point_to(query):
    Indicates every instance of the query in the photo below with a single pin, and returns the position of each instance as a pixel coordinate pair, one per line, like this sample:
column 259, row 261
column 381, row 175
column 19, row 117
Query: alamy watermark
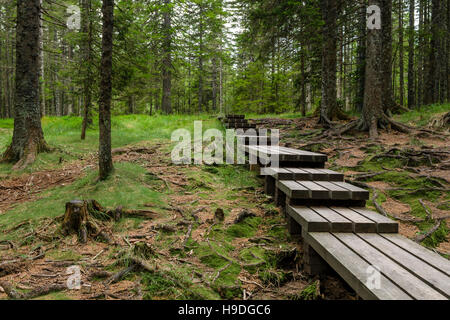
column 211, row 147
column 74, row 20
column 374, row 18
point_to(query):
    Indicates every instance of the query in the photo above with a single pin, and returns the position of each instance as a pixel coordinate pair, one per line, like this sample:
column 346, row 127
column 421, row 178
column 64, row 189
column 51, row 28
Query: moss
column 246, row 228
column 274, row 277
column 309, row 293
column 437, row 237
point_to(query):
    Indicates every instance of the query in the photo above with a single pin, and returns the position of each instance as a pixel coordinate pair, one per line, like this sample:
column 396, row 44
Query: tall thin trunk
column 41, row 62
column 105, row 156
column 386, row 62
column 400, row 52
column 329, row 51
column 167, row 59
column 86, row 29
column 411, row 72
column 361, row 57
column 200, row 61
column 432, row 82
column 214, row 84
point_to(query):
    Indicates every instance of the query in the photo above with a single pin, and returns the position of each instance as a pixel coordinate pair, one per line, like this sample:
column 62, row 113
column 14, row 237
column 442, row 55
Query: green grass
column 64, row 133
column 423, row 115
column 128, row 186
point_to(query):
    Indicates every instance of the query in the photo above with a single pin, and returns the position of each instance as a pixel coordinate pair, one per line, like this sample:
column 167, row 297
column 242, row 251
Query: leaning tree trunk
column 28, row 137
column 105, row 156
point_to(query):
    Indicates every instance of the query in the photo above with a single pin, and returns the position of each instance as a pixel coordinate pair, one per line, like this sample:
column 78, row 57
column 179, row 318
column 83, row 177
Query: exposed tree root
column 36, row 292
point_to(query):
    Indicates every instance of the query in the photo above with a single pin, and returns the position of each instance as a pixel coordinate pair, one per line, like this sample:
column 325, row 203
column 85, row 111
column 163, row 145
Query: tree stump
column 80, row 218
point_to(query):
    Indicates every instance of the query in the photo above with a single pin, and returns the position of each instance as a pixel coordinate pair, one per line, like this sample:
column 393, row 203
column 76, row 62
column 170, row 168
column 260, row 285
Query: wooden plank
column 360, row 223
column 269, row 171
column 292, row 189
column 299, row 174
column 337, row 222
column 433, row 277
column 357, row 193
column 336, row 192
column 384, row 224
column 308, row 219
column 411, row 284
column 333, row 175
column 315, row 191
column 420, row 252
column 316, row 175
column 352, row 268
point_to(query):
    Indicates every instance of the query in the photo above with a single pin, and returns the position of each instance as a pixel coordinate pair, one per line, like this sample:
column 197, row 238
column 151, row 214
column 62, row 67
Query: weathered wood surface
column 326, row 219
column 307, row 174
column 403, row 276
column 240, row 126
column 393, row 267
column 352, row 268
column 285, row 154
column 315, row 190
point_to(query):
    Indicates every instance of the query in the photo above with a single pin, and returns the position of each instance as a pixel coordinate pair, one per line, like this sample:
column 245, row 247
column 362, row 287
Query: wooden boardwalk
column 338, row 232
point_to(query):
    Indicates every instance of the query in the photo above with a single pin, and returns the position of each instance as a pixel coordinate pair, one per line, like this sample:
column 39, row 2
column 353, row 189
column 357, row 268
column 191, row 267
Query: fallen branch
column 36, row 292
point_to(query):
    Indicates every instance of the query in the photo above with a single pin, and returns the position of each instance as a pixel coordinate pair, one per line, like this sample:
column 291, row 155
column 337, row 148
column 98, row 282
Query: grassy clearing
column 423, row 115
column 126, row 187
column 64, row 133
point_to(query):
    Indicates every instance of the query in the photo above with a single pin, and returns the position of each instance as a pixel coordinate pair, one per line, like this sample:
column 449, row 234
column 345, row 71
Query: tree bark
column 86, row 29
column 373, row 103
column 432, row 83
column 411, row 72
column 105, row 157
column 167, row 59
column 401, row 52
column 28, row 137
column 329, row 69
column 386, row 62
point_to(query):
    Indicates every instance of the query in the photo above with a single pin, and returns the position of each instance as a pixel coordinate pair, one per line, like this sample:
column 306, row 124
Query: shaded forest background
column 264, row 56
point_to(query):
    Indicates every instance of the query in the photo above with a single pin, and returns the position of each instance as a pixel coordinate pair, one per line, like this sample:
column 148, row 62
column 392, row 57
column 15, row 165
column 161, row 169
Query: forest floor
column 191, row 253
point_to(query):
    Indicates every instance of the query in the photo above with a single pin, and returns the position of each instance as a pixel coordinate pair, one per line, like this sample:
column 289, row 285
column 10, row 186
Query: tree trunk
column 28, row 137
column 411, row 73
column 167, row 59
column 329, row 50
column 86, row 29
column 105, row 157
column 200, row 61
column 401, row 51
column 373, row 104
column 432, row 82
column 361, row 58
column 41, row 63
column 386, row 62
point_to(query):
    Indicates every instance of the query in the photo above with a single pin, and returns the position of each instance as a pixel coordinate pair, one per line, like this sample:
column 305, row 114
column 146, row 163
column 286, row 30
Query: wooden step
column 321, row 190
column 271, row 175
column 336, row 219
column 292, row 157
column 403, row 276
column 235, row 116
column 308, row 174
column 240, row 126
